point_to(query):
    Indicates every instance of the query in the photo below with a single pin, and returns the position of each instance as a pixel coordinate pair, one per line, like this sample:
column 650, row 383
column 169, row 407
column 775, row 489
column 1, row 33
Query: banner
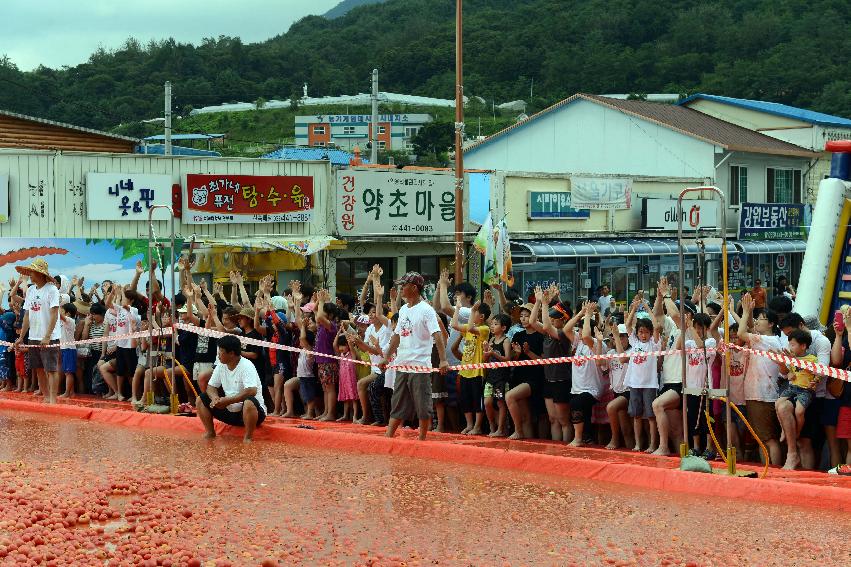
column 381, row 202
column 503, row 254
column 601, row 193
column 485, row 245
column 226, row 198
column 127, row 196
column 661, row 214
column 770, row 221
column 554, row 205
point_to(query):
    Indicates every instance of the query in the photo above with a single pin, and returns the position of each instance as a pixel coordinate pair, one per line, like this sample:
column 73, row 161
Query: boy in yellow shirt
column 799, row 392
column 476, row 334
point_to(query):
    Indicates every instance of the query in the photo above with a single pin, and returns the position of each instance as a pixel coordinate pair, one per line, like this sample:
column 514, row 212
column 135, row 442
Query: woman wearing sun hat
column 41, row 305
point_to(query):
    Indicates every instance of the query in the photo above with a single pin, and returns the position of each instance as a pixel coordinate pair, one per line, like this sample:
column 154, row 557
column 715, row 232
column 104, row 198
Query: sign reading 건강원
column 127, row 196
column 370, row 202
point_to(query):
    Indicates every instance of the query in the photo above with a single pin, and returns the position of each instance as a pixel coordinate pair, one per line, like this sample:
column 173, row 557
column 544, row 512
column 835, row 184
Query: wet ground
column 79, row 493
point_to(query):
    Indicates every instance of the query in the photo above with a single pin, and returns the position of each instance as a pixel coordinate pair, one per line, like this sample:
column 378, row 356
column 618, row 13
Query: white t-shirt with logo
column 672, row 364
column 641, row 371
column 762, row 372
column 233, row 382
column 39, row 301
column 738, row 366
column 697, row 364
column 586, row 374
column 617, row 373
column 383, row 335
column 68, row 327
column 415, row 328
column 120, row 320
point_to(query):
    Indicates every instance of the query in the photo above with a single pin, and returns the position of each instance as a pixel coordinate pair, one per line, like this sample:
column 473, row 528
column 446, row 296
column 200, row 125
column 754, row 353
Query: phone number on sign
column 413, row 228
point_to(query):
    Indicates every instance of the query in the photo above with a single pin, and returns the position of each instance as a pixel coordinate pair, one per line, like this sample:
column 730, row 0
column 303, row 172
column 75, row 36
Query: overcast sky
column 65, row 32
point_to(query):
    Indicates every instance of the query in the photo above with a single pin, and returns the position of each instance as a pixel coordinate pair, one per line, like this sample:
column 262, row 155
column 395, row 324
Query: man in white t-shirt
column 417, row 330
column 605, row 300
column 41, row 314
column 242, row 405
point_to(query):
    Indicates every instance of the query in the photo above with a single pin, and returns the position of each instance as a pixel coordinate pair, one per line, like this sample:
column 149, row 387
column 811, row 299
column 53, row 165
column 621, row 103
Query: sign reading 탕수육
column 370, row 202
column 226, row 198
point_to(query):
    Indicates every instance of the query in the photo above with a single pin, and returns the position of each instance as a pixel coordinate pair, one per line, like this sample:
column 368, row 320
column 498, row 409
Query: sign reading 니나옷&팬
column 226, row 198
column 769, row 221
column 601, row 193
column 394, row 203
column 553, row 205
column 661, row 214
column 126, row 196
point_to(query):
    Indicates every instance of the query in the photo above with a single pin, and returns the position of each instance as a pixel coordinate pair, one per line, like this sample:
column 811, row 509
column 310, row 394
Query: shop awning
column 302, row 246
column 605, row 247
column 770, row 246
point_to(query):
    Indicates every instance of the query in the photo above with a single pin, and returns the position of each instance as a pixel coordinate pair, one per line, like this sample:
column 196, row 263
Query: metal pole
column 680, row 296
column 459, row 141
column 152, row 244
column 167, row 118
column 373, row 131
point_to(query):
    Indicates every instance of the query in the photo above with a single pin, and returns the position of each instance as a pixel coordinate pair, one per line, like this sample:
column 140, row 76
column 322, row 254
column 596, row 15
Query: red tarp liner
column 511, row 455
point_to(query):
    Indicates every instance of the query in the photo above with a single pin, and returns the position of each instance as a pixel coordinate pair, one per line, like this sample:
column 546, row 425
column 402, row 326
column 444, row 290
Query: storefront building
column 589, row 190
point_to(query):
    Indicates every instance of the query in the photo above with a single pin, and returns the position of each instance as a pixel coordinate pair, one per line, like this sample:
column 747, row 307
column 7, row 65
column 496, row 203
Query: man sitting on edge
column 242, row 405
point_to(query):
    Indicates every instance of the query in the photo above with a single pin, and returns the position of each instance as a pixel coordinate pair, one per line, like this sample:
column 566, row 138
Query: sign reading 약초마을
column 226, row 198
column 394, row 202
column 126, row 196
column 601, row 193
column 769, row 221
column 553, row 205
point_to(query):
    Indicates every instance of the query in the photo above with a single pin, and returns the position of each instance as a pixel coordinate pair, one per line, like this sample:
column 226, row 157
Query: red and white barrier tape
column 814, row 367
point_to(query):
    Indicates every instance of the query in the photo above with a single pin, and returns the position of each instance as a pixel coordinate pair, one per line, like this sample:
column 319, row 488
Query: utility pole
column 459, row 142
column 168, row 118
column 373, row 137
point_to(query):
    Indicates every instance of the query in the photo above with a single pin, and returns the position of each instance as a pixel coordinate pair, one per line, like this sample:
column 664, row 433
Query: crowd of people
column 384, row 359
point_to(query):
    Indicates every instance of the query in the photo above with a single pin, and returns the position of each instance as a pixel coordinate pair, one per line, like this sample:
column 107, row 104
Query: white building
column 635, row 157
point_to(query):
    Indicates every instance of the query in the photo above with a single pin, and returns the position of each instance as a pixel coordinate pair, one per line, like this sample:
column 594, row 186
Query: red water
column 79, row 493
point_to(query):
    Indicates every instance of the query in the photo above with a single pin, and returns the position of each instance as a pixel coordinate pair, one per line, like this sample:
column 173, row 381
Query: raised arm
column 134, row 283
column 503, row 302
column 443, row 286
column 534, row 316
column 747, row 315
column 378, row 294
column 588, row 309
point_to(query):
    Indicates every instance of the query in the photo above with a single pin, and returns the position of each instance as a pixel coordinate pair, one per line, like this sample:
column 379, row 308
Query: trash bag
column 691, row 463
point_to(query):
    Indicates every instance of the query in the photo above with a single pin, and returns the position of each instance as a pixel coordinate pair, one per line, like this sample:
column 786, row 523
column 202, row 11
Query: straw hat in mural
column 38, row 266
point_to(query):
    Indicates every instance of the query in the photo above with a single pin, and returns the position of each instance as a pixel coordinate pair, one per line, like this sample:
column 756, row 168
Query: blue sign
column 772, row 221
column 553, row 205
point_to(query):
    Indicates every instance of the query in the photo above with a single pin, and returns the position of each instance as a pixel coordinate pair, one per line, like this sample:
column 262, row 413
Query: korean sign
column 394, row 203
column 226, row 198
column 763, row 221
column 126, row 196
column 661, row 214
column 553, row 205
column 4, row 198
column 601, row 193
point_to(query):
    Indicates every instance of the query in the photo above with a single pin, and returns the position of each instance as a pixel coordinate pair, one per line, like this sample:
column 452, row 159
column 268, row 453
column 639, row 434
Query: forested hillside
column 794, row 51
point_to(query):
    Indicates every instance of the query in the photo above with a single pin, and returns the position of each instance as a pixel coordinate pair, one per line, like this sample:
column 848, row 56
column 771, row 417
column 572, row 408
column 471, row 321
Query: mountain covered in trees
column 795, row 52
column 347, row 6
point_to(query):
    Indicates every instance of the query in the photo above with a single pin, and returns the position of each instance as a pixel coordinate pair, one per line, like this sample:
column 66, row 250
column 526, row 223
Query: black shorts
column 557, row 391
column 622, row 395
column 125, row 361
column 581, row 406
column 472, row 390
column 676, row 387
column 232, row 417
column 813, row 429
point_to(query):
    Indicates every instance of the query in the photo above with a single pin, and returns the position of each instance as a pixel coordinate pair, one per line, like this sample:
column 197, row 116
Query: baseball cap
column 412, row 278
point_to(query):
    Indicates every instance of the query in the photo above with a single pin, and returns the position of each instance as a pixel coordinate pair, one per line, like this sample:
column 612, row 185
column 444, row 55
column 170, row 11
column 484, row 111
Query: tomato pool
column 80, row 493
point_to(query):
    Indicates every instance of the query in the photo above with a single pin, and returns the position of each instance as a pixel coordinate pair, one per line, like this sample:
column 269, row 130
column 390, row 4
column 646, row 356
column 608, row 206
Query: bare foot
column 577, row 442
column 475, row 431
column 466, row 430
column 121, row 399
column 661, row 452
column 65, row 395
column 637, row 448
column 650, row 450
column 328, row 418
column 209, row 435
column 793, row 461
column 440, row 429
column 37, row 393
column 497, row 433
column 516, row 436
column 361, row 421
column 288, row 414
column 247, row 440
column 613, row 445
column 377, row 424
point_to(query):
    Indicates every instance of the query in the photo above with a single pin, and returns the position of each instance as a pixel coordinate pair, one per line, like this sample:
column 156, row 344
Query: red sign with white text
column 225, row 198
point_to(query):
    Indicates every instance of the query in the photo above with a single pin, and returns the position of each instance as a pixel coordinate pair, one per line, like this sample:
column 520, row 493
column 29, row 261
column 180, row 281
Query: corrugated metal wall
column 47, row 194
column 20, row 133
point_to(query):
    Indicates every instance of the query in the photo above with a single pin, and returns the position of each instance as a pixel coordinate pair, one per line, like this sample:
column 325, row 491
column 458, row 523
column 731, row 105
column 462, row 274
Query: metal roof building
column 775, row 108
column 20, row 131
column 337, row 158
